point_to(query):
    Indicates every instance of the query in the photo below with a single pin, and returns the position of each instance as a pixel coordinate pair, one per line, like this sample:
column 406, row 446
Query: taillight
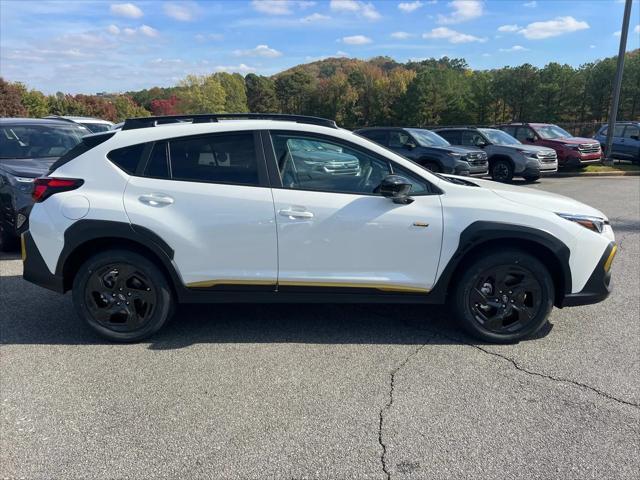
column 44, row 187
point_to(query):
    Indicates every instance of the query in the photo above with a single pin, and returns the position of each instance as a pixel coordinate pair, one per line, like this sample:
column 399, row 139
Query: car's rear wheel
column 504, row 296
column 122, row 295
column 532, row 178
column 501, row 171
column 8, row 240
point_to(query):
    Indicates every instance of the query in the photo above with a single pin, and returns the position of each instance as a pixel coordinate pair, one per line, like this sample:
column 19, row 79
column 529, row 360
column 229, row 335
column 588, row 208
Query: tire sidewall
column 469, row 278
column 509, row 169
column 163, row 307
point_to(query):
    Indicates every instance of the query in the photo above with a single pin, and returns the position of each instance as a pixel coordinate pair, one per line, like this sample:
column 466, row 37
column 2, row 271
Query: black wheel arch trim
column 486, row 231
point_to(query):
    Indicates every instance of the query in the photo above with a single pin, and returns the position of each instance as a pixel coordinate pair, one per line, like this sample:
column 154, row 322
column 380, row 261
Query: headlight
column 595, row 224
column 455, row 155
column 572, row 146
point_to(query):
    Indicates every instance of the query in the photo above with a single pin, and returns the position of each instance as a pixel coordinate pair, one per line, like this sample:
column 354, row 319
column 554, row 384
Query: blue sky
column 81, row 46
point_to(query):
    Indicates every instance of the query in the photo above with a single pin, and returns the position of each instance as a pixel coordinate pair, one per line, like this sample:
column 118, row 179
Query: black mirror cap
column 397, row 188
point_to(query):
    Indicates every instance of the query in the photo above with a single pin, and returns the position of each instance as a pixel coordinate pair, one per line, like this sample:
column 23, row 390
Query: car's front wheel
column 122, row 295
column 501, row 171
column 503, row 296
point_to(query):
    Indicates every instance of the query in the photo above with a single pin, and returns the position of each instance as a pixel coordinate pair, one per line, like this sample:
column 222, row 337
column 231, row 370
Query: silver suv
column 507, row 156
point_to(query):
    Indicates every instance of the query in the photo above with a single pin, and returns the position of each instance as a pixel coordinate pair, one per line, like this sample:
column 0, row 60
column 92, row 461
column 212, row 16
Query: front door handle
column 294, row 213
column 156, row 199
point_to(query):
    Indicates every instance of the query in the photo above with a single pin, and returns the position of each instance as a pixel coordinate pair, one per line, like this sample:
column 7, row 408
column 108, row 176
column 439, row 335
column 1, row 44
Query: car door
column 619, row 147
column 630, row 141
column 207, row 196
column 336, row 232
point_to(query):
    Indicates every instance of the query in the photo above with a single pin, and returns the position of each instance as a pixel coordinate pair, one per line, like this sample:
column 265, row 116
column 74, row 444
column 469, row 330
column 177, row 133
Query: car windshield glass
column 498, row 137
column 552, row 132
column 97, row 127
column 38, row 141
column 429, row 139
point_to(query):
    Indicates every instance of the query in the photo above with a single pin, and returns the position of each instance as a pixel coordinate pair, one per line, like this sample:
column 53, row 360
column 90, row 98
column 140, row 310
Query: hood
column 530, row 148
column 323, row 156
column 534, row 198
column 453, row 149
column 27, row 167
column 571, row 140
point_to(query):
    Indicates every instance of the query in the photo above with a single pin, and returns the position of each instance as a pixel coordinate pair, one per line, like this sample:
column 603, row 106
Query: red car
column 572, row 151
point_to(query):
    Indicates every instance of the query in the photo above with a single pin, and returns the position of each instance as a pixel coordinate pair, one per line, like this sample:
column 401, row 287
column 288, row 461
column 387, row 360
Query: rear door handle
column 156, row 199
column 294, row 213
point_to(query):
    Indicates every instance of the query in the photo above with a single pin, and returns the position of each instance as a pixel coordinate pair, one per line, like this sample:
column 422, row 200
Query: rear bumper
column 598, row 287
column 35, row 270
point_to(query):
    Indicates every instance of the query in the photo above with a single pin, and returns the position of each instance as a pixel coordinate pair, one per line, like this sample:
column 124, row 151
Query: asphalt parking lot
column 331, row 391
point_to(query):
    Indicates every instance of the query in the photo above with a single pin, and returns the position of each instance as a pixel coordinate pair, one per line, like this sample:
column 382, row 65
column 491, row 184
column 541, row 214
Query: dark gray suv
column 429, row 150
column 28, row 147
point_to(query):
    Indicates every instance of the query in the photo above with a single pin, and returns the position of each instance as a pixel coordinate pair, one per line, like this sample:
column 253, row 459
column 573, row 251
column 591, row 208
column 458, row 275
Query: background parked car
column 626, row 140
column 95, row 125
column 28, row 147
column 507, row 156
column 572, row 151
column 429, row 150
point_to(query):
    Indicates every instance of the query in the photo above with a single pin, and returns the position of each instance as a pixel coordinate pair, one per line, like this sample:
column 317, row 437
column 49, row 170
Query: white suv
column 270, row 208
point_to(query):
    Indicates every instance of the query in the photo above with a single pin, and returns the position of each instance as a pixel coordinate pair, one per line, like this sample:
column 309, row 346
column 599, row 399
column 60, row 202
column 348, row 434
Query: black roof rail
column 144, row 122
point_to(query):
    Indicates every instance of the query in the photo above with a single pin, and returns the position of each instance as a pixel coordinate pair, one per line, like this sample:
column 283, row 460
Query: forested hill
column 373, row 92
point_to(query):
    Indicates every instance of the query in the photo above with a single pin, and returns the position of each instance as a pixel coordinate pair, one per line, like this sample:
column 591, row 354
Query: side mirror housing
column 396, row 188
column 531, row 139
column 410, row 145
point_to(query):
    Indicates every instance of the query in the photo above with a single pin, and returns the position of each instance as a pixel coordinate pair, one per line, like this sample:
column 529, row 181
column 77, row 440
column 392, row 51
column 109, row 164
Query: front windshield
column 427, row 138
column 498, row 137
column 552, row 132
column 97, row 127
column 38, row 141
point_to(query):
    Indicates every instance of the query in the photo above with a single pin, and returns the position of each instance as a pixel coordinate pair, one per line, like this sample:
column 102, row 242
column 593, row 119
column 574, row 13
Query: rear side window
column 510, row 130
column 378, row 136
column 227, row 158
column 452, row 136
column 158, row 164
column 127, row 158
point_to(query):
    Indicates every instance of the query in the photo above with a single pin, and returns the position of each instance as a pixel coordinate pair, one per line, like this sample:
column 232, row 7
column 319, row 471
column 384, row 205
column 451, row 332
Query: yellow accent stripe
column 607, row 264
column 377, row 286
column 23, row 248
column 213, row 283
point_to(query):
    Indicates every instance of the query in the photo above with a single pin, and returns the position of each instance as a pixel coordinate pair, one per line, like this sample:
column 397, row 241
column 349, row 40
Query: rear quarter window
column 127, row 158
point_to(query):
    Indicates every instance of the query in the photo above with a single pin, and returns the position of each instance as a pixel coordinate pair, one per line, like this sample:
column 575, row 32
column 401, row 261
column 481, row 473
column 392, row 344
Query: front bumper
column 598, row 287
column 34, row 268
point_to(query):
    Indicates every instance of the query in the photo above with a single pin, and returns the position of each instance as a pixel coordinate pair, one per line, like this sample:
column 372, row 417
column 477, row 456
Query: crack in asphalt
column 388, row 405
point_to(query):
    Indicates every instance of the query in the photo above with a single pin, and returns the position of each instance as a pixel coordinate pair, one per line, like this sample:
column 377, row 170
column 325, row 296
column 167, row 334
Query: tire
column 503, row 296
column 122, row 295
column 532, row 179
column 8, row 241
column 433, row 167
column 501, row 171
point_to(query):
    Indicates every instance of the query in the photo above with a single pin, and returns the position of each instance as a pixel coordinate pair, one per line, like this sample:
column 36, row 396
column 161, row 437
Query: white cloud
column 366, row 10
column 508, row 28
column 356, row 40
column 486, row 54
column 180, row 12
column 259, row 51
column 515, row 48
column 463, row 10
column 242, row 68
column 113, row 30
column 148, row 31
column 617, row 34
column 409, row 7
column 129, row 31
column 128, row 10
column 201, row 37
column 401, row 35
column 340, row 53
column 592, row 46
column 451, row 36
column 552, row 28
column 637, row 29
column 532, row 4
column 315, row 17
column 279, row 7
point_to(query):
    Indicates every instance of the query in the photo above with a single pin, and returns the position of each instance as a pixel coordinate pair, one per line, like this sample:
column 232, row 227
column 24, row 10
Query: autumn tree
column 202, row 94
column 11, row 100
column 261, row 94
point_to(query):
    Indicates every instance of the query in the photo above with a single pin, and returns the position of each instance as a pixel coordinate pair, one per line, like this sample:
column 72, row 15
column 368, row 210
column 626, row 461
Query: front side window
column 38, row 141
column 631, row 131
column 618, row 130
column 523, row 134
column 511, row 130
column 472, row 138
column 226, row 158
column 330, row 166
column 427, row 138
column 552, row 132
column 498, row 137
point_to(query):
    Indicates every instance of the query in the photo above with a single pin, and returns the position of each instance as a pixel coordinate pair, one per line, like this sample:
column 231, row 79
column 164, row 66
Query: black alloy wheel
column 505, row 299
column 501, row 171
column 120, row 297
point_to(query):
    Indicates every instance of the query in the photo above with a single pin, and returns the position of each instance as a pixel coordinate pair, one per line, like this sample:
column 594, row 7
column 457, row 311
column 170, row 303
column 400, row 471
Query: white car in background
column 221, row 208
column 95, row 125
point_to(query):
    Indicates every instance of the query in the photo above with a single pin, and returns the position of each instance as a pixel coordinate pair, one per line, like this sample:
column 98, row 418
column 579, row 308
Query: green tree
column 261, row 94
column 235, row 92
column 293, row 90
column 202, row 94
column 127, row 108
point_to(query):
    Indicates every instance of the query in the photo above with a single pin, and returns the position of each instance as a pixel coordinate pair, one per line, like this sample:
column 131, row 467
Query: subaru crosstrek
column 221, row 209
column 508, row 157
column 430, row 150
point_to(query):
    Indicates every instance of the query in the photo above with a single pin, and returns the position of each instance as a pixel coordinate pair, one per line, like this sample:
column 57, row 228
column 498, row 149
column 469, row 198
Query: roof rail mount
column 144, row 122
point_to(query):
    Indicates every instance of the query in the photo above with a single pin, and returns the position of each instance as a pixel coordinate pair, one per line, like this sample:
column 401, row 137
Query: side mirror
column 410, row 145
column 396, row 188
column 531, row 139
column 481, row 143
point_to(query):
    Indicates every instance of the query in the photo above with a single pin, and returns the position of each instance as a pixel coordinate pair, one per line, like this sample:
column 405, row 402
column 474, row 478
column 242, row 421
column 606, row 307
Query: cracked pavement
column 328, row 391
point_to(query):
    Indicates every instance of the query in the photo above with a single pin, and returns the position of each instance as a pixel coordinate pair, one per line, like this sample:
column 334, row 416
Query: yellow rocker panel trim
column 378, row 286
